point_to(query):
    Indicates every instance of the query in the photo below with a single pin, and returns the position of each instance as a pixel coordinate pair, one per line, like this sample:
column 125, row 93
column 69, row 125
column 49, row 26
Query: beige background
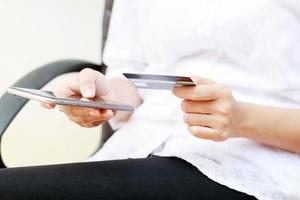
column 35, row 32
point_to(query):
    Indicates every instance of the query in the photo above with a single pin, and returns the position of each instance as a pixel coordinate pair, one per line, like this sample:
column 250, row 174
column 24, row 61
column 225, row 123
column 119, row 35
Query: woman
column 235, row 135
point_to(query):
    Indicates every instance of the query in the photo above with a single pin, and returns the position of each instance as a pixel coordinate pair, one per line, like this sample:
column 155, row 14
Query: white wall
column 34, row 32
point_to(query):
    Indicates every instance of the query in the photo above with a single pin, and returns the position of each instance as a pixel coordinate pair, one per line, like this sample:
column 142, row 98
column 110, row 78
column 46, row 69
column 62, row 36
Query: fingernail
column 108, row 114
column 195, row 128
column 49, row 106
column 87, row 92
column 94, row 113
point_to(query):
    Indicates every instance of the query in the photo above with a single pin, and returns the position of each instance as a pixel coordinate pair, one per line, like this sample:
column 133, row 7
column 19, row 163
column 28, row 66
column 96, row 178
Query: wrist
column 242, row 120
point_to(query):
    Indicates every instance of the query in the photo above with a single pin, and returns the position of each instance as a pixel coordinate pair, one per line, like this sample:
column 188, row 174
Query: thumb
column 87, row 82
column 198, row 80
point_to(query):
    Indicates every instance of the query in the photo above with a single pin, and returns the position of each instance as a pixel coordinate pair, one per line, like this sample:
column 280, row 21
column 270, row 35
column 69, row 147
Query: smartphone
column 49, row 97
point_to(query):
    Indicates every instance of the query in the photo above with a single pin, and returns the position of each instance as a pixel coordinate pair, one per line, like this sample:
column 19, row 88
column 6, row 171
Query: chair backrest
column 108, row 4
column 106, row 19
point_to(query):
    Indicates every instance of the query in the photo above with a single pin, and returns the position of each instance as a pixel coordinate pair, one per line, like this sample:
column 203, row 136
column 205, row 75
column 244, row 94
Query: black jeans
column 149, row 178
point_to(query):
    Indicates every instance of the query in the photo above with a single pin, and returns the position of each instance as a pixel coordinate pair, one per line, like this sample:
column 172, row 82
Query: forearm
column 126, row 93
column 278, row 127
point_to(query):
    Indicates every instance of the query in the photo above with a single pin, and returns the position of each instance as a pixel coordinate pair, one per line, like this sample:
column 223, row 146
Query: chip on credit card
column 158, row 82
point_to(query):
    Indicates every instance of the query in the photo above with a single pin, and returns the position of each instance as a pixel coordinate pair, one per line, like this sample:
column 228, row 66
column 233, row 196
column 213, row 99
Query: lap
column 149, row 178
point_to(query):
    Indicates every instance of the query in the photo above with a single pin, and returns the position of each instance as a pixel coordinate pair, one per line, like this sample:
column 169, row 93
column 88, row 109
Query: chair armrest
column 36, row 79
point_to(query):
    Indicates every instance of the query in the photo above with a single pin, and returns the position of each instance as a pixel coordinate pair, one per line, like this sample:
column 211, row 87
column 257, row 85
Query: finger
column 201, row 107
column 87, row 124
column 201, row 80
column 107, row 114
column 76, row 119
column 91, row 114
column 102, row 88
column 92, row 124
column 74, row 111
column 206, row 133
column 87, row 80
column 92, row 83
column 62, row 91
column 97, row 114
column 81, row 120
column 198, row 119
column 214, row 121
column 67, row 88
column 47, row 105
column 86, row 114
column 207, row 107
column 199, row 92
column 98, row 123
column 73, row 83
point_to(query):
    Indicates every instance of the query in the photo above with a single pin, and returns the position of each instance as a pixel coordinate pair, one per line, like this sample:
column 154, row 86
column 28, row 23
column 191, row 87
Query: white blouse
column 252, row 46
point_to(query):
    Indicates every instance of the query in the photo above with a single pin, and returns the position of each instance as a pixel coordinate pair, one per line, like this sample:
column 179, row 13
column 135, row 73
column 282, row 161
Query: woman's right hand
column 88, row 84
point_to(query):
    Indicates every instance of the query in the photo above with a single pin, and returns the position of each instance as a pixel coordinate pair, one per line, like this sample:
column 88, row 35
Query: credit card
column 158, row 82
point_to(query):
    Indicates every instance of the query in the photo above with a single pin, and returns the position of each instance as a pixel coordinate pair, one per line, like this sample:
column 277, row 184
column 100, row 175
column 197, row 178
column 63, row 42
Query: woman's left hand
column 209, row 109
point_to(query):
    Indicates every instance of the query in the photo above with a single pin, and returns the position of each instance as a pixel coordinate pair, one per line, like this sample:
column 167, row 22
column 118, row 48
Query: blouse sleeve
column 123, row 51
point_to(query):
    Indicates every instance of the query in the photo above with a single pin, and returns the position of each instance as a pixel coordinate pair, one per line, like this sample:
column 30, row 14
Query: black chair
column 10, row 105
